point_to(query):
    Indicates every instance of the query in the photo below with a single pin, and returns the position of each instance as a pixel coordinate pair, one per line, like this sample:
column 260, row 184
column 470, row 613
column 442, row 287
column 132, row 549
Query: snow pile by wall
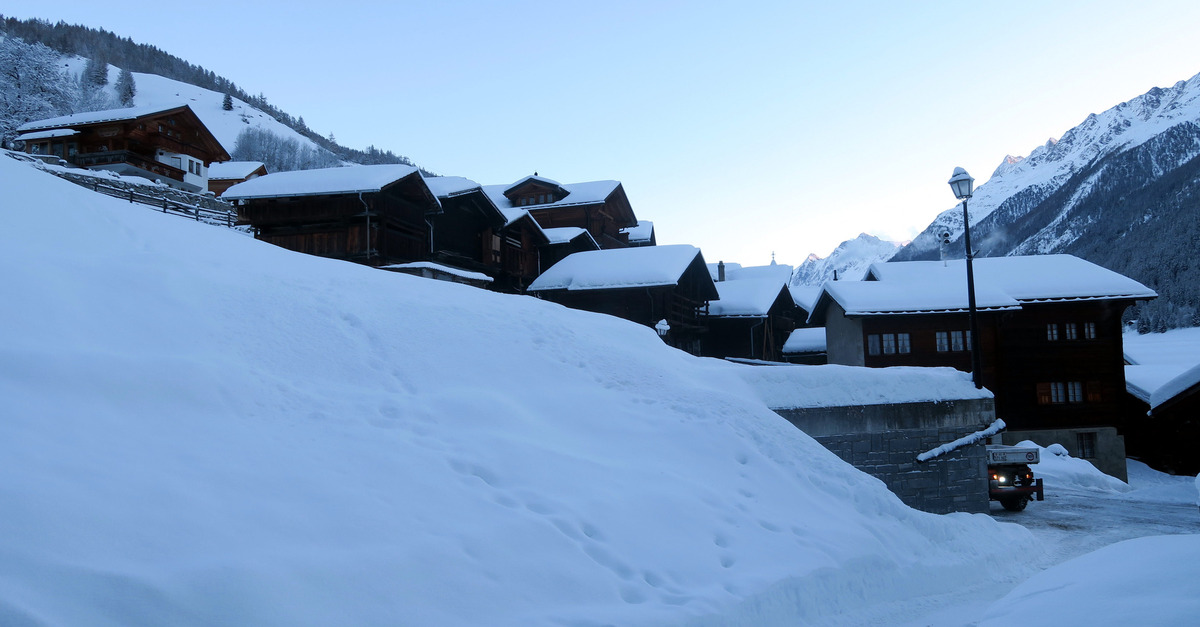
column 1060, row 470
column 199, row 428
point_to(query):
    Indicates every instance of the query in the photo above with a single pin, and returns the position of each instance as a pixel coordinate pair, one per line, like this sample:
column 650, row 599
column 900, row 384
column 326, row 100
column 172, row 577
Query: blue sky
column 743, row 128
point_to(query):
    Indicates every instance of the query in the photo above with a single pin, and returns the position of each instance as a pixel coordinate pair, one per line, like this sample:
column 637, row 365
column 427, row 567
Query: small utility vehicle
column 1010, row 480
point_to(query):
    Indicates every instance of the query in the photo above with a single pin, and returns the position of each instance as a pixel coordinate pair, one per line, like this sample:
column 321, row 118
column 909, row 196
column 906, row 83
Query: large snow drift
column 199, row 428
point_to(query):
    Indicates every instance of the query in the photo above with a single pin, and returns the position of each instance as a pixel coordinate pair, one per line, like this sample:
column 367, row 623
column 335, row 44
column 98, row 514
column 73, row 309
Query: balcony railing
column 128, row 157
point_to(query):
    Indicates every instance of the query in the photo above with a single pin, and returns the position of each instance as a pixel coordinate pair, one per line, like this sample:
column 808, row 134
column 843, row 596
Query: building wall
column 844, row 338
column 1109, row 452
column 884, row 441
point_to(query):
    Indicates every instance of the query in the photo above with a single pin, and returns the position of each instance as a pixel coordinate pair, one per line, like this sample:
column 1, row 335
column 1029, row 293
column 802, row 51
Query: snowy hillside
column 154, row 90
column 1019, row 184
column 850, row 260
column 200, row 429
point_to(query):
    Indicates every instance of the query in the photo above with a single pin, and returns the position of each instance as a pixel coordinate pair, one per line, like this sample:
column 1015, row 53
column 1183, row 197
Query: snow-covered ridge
column 1047, row 167
column 849, row 261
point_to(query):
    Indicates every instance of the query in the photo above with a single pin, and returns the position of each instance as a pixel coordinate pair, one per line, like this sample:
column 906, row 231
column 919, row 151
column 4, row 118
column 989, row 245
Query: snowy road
column 1073, row 520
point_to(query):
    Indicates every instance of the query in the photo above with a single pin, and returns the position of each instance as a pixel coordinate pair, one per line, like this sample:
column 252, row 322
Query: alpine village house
column 168, row 144
column 1050, row 339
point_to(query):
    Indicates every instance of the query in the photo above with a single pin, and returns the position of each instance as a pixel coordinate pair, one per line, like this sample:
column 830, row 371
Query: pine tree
column 227, row 103
column 96, row 72
column 126, row 89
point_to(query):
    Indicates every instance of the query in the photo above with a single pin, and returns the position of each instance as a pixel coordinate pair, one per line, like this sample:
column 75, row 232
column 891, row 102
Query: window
column 1052, row 332
column 1075, row 392
column 1093, row 392
column 889, row 343
column 1071, row 332
column 1086, row 443
column 1089, row 330
column 541, row 199
column 904, row 342
column 873, row 344
column 956, row 340
column 1058, row 392
column 943, row 341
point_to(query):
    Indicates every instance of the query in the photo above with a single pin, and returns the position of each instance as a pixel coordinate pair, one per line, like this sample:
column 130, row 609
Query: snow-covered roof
column 447, row 186
column 1175, row 387
column 793, row 387
column 1030, row 278
column 535, row 178
column 347, row 180
column 58, row 132
column 737, row 272
column 233, row 170
column 640, row 233
column 805, row 296
column 750, row 298
column 592, row 192
column 645, row 266
column 806, row 340
column 864, row 298
column 429, row 265
column 564, row 234
column 93, row 117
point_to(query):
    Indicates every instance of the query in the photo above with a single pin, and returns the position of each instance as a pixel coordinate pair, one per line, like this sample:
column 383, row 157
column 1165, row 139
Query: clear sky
column 743, row 128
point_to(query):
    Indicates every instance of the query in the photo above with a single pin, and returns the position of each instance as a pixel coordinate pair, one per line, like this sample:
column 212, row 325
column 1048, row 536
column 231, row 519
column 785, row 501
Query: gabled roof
column 867, row 298
column 643, row 232
column 233, row 170
column 568, row 234
column 749, row 298
column 325, row 181
column 450, row 186
column 533, row 178
column 805, row 340
column 590, row 193
column 616, row 268
column 1030, row 278
column 98, row 117
column 1175, row 387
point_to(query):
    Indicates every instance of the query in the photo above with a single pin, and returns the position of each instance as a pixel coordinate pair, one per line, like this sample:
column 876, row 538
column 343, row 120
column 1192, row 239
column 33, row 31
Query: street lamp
column 961, row 184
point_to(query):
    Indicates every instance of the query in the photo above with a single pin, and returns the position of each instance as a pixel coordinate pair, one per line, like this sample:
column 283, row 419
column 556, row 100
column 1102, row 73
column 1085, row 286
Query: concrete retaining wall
column 884, row 441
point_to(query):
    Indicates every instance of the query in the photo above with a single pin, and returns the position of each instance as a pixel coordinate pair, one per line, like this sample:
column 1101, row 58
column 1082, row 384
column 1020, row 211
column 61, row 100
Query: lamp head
column 961, row 183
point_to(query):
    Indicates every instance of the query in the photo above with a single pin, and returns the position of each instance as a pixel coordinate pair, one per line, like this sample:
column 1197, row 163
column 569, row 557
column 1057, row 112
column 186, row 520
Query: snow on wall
column 787, row 387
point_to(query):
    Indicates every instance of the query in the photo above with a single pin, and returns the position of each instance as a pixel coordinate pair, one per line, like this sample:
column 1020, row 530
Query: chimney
column 835, row 275
column 720, row 271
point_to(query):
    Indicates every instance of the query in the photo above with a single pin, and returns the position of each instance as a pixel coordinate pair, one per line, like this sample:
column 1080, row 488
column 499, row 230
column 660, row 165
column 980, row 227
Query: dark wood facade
column 1050, row 365
column 172, row 145
column 377, row 228
column 1166, row 437
column 752, row 337
column 472, row 234
column 683, row 305
column 550, row 204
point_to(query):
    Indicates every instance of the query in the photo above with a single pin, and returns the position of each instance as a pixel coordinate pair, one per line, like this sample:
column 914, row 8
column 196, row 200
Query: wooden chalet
column 599, row 207
column 566, row 241
column 371, row 214
column 1050, row 337
column 751, row 319
column 1164, row 417
column 472, row 233
column 646, row 285
column 222, row 176
column 168, row 144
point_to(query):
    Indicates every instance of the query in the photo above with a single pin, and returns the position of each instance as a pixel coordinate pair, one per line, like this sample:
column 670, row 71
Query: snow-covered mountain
column 849, row 260
column 1122, row 190
column 1166, row 119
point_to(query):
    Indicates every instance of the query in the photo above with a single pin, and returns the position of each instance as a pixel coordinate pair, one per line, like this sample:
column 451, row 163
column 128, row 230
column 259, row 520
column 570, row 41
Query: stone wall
column 884, row 441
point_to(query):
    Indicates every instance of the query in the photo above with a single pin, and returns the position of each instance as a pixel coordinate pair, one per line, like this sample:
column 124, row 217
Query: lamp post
column 961, row 184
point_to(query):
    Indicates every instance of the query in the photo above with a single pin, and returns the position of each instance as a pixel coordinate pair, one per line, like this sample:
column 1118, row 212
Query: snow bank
column 199, row 428
column 1060, row 470
column 791, row 387
column 1152, row 580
